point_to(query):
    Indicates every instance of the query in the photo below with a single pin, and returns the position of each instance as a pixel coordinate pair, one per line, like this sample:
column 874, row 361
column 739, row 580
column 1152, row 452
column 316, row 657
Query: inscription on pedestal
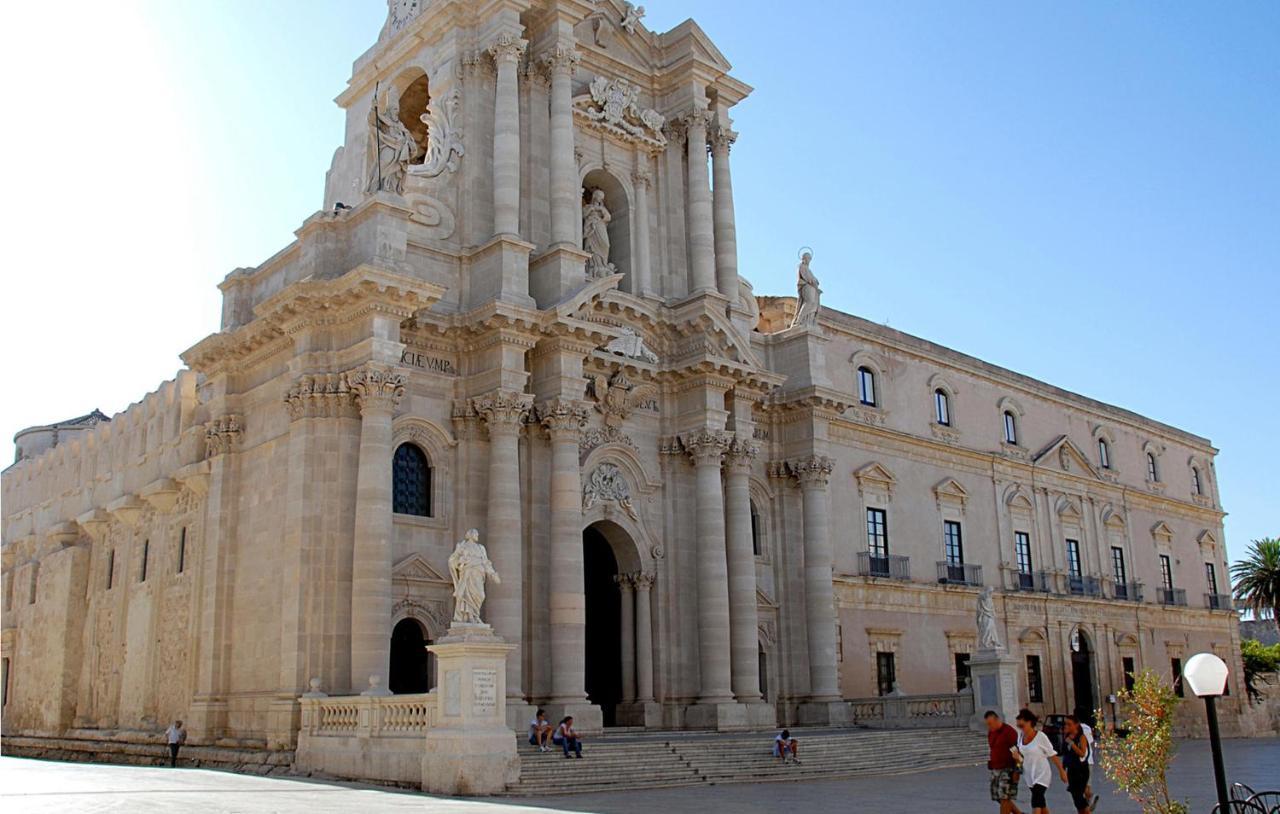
column 987, row 690
column 453, row 693
column 484, row 691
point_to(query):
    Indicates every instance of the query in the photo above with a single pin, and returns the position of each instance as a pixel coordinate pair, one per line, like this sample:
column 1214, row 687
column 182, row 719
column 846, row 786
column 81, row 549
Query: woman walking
column 1033, row 753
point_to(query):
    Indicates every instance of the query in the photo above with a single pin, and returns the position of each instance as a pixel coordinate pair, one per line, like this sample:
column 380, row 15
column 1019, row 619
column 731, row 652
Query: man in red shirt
column 1002, row 738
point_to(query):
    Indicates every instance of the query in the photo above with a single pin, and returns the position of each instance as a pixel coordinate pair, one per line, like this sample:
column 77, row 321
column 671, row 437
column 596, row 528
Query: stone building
column 520, row 310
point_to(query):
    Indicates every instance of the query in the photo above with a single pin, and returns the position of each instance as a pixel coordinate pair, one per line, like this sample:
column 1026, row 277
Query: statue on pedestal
column 988, row 635
column 808, row 294
column 469, row 565
column 393, row 149
column 595, row 235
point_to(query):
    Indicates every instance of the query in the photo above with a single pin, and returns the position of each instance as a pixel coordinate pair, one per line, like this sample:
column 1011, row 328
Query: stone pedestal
column 471, row 751
column 994, row 679
column 824, row 713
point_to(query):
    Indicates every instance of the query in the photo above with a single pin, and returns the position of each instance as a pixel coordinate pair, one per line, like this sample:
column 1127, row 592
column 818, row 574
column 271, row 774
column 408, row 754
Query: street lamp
column 1206, row 674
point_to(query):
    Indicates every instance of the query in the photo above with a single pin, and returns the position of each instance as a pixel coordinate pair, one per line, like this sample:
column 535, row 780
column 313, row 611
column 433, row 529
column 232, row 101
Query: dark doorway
column 1082, row 677
column 604, row 620
column 410, row 661
column 764, row 672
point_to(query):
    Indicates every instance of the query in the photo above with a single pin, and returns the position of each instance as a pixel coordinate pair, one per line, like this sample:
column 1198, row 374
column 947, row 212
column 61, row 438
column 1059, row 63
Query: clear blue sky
column 1088, row 193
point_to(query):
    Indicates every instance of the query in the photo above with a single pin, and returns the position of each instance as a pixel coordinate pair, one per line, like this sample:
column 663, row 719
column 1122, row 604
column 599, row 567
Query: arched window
column 1104, row 453
column 867, row 386
column 755, row 530
column 1010, row 427
column 411, row 481
column 942, row 407
column 1196, row 484
column 1153, row 473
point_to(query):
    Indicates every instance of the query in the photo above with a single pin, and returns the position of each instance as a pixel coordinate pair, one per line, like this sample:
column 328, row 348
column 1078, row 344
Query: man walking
column 176, row 736
column 1001, row 739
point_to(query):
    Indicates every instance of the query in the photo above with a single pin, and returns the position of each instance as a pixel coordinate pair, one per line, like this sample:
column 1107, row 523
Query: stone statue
column 988, row 636
column 393, row 147
column 631, row 16
column 468, row 566
column 809, row 294
column 595, row 235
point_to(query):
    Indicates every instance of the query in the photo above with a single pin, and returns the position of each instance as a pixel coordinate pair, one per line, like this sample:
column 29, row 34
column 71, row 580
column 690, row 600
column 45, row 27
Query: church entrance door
column 1082, row 677
column 410, row 661
column 603, row 617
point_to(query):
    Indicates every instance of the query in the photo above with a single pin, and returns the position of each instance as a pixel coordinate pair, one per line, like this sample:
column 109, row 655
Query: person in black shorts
column 1075, row 764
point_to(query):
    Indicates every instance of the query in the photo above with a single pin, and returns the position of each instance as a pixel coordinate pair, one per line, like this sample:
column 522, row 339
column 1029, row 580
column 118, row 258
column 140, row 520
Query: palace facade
column 520, row 310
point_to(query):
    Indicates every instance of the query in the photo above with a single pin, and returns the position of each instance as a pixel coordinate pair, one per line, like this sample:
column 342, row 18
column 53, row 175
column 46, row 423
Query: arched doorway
column 1082, row 676
column 604, row 618
column 412, row 667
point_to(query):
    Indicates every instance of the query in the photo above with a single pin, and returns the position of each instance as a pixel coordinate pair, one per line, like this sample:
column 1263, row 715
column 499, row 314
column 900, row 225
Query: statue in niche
column 988, row 635
column 393, row 148
column 809, row 294
column 468, row 567
column 595, row 235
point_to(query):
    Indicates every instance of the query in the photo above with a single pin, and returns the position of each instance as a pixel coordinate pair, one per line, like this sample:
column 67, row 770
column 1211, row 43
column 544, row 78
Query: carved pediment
column 1161, row 532
column 948, row 491
column 1016, row 499
column 1207, row 538
column 612, row 106
column 875, row 477
column 1064, row 455
column 415, row 568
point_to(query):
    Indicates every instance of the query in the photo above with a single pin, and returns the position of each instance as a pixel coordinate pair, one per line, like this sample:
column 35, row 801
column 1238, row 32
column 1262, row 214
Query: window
column 942, row 407
column 1073, row 559
column 1104, row 453
column 867, row 386
column 1196, row 485
column 1153, row 473
column 878, row 533
column 1166, row 572
column 146, row 554
column 1117, row 565
column 885, row 677
column 1022, row 547
column 1035, row 691
column 182, row 550
column 953, row 543
column 1127, row 666
column 962, row 671
column 755, row 530
column 1010, row 428
column 411, row 481
column 111, row 567
column 1175, row 666
column 4, row 692
column 1211, row 577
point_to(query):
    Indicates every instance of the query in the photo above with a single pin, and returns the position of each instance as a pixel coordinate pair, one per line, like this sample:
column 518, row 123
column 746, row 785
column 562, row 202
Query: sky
column 1085, row 192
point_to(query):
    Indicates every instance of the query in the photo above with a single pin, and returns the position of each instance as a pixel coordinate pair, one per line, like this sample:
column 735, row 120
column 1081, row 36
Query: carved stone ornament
column 988, row 634
column 808, row 294
column 815, row 471
column 444, row 137
column 741, row 453
column 632, row 346
column 642, row 580
column 612, row 106
column 399, row 13
column 616, row 397
column 607, row 483
column 507, row 48
column 631, row 16
column 222, row 434
column 392, row 147
column 469, row 566
column 561, row 415
column 607, row 434
column 376, row 388
column 503, row 411
column 705, row 446
column 320, row 395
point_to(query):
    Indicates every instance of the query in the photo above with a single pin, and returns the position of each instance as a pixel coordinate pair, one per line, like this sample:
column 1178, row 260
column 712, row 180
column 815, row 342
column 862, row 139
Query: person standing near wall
column 176, row 736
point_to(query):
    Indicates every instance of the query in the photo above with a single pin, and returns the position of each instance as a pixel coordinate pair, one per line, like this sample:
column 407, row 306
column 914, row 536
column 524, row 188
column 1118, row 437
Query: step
column 131, row 752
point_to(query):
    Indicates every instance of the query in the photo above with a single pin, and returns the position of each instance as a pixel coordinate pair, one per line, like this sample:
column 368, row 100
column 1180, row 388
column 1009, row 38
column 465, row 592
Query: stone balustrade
column 373, row 736
column 946, row 710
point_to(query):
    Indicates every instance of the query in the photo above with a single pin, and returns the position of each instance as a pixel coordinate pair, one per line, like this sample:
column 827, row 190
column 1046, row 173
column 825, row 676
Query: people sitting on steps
column 785, row 746
column 540, row 731
column 567, row 738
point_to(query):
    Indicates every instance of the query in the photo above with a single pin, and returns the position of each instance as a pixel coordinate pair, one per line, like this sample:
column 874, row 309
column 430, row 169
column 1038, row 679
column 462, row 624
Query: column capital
column 740, row 455
column 376, row 388
column 705, row 446
column 222, row 434
column 562, row 417
column 643, row 581
column 561, row 58
column 698, row 118
column 503, row 411
column 320, row 395
column 814, row 471
column 625, row 582
column 507, row 48
column 641, row 176
column 722, row 138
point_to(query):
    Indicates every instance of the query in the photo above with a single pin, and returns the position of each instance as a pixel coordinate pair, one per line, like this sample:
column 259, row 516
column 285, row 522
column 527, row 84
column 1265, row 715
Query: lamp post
column 1206, row 674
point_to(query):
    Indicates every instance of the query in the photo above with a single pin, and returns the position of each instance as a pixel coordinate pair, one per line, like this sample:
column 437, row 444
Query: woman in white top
column 1033, row 753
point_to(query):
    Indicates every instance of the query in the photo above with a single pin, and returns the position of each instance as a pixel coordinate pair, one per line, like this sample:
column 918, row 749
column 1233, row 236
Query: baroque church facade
column 520, row 311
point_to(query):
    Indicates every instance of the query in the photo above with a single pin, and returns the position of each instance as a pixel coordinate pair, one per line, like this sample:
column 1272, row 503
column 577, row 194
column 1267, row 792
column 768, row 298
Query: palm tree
column 1257, row 579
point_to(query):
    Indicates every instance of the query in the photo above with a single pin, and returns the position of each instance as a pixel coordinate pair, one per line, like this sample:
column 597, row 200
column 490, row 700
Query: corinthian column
column 506, row 54
column 377, row 392
column 819, row 597
column 643, row 282
column 726, row 237
column 701, row 239
column 504, row 413
column 627, row 634
column 706, row 449
column 566, row 208
column 744, row 644
column 644, row 637
column 564, row 421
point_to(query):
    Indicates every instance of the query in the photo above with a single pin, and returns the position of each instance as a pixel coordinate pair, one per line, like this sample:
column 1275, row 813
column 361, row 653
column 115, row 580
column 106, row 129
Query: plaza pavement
column 74, row 788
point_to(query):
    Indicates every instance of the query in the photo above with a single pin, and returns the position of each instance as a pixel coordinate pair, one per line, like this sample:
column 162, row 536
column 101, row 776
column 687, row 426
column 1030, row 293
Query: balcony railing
column 1172, row 596
column 1128, row 591
column 959, row 573
column 1084, row 586
column 890, row 566
column 1037, row 581
column 1217, row 601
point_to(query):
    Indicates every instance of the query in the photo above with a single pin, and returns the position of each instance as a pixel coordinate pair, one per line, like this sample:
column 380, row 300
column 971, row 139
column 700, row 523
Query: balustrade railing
column 914, row 711
column 959, row 573
column 369, row 715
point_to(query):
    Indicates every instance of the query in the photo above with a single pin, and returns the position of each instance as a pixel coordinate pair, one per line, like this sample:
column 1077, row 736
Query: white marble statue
column 809, row 294
column 988, row 635
column 631, row 16
column 468, row 567
column 393, row 148
column 595, row 235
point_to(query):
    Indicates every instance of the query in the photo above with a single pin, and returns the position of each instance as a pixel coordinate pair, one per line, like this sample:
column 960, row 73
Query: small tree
column 1260, row 661
column 1137, row 763
column 1257, row 579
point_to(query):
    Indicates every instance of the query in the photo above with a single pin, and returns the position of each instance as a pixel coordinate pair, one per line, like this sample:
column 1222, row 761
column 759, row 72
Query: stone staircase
column 139, row 749
column 666, row 759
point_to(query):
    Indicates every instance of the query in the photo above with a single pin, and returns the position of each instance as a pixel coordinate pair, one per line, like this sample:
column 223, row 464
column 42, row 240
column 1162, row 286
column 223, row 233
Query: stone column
column 726, row 233
column 819, row 596
column 564, row 421
column 566, row 195
column 377, row 391
column 744, row 643
column 701, row 238
column 627, row 634
column 504, row 413
column 641, row 269
column 506, row 54
column 706, row 449
column 644, row 637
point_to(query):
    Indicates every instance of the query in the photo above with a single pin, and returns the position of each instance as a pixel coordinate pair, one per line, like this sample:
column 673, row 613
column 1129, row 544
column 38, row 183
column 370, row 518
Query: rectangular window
column 878, row 533
column 1104, row 453
column 1166, row 572
column 182, row 549
column 1127, row 663
column 866, row 387
column 942, row 408
column 1175, row 666
column 111, row 568
column 1073, row 559
column 1211, row 577
column 953, row 543
column 1010, row 428
column 1022, row 546
column 1117, row 565
column 755, row 531
column 962, row 671
column 885, row 676
column 1035, row 693
column 4, row 691
column 146, row 553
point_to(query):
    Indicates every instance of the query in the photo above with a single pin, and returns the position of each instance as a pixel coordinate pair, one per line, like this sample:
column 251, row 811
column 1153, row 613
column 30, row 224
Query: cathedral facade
column 519, row 310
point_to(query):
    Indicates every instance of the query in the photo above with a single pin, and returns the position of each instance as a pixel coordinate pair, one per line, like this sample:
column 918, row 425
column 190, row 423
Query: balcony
column 1039, row 582
column 1128, row 591
column 1217, row 601
column 889, row 566
column 959, row 573
column 1172, row 596
column 1084, row 586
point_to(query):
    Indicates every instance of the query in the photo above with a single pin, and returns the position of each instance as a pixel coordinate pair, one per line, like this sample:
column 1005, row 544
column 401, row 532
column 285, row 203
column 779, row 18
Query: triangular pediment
column 1162, row 530
column 688, row 41
column 949, row 489
column 875, row 473
column 1063, row 454
column 763, row 600
column 1207, row 538
column 1017, row 500
column 415, row 568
